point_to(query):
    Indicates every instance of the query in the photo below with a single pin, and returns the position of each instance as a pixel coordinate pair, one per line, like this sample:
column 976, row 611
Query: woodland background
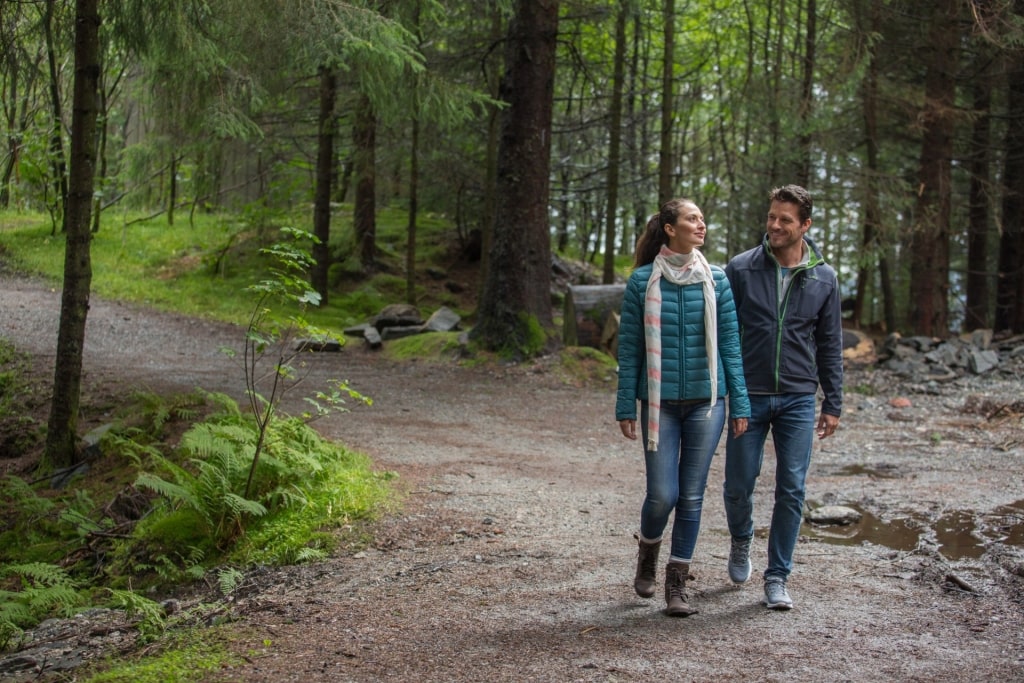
column 534, row 127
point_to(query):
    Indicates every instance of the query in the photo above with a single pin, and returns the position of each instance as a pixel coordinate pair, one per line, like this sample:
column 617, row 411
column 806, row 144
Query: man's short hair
column 793, row 194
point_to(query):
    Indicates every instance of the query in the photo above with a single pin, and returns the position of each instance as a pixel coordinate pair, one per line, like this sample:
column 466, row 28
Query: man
column 788, row 304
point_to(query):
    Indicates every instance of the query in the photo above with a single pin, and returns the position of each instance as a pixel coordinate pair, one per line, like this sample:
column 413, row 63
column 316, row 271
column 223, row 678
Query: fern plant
column 149, row 614
column 152, row 411
column 217, row 465
column 33, row 590
column 303, row 485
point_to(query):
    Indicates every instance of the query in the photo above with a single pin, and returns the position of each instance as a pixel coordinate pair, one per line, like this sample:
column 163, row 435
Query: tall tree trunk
column 14, row 124
column 101, row 156
column 1010, row 284
column 61, row 435
column 774, row 51
column 803, row 170
column 414, row 176
column 614, row 147
column 58, row 164
column 666, row 188
column 364, row 135
column 565, row 211
column 344, row 179
column 414, row 183
column 517, row 292
column 493, row 71
column 929, row 255
column 634, row 142
column 324, row 174
column 872, row 250
column 976, row 312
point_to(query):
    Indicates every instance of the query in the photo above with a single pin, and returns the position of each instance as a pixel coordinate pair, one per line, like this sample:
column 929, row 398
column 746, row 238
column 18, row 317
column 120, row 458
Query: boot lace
column 676, row 584
column 648, row 561
column 739, row 552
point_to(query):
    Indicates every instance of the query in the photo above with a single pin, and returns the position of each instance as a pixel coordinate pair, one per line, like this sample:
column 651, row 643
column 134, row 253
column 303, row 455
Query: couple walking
column 764, row 332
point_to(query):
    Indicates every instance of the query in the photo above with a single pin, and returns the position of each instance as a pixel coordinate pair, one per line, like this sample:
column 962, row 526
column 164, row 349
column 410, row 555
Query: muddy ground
column 512, row 557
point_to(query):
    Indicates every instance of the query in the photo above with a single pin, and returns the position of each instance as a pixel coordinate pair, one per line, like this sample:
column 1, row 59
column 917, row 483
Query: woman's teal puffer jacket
column 684, row 361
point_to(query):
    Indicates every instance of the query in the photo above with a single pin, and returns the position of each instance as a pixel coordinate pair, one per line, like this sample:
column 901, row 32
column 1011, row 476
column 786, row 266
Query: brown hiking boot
column 646, row 567
column 676, row 576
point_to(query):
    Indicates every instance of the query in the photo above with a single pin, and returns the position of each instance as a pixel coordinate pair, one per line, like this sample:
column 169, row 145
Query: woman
column 679, row 353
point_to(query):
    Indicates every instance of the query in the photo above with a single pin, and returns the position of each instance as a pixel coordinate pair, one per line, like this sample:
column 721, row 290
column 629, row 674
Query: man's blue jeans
column 791, row 420
column 677, row 472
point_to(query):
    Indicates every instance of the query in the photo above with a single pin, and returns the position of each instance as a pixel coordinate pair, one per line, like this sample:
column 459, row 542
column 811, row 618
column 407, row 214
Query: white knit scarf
column 680, row 269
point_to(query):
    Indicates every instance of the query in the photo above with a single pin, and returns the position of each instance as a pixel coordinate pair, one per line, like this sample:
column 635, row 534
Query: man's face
column 785, row 230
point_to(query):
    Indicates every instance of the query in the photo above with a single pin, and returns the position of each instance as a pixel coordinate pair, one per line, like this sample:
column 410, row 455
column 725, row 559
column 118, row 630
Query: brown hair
column 654, row 237
column 793, row 194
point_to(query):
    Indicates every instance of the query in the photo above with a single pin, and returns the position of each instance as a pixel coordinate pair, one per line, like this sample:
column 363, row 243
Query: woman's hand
column 739, row 425
column 628, row 428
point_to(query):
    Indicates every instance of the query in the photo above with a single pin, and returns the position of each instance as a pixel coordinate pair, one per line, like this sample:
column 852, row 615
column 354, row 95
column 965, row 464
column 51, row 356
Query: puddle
column 956, row 536
column 1006, row 524
column 881, row 471
column 960, row 534
column 898, row 534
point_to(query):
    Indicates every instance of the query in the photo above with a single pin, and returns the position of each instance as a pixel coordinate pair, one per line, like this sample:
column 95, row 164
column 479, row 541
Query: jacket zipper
column 781, row 313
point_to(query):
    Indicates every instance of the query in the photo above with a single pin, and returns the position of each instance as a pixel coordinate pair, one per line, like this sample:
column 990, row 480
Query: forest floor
column 512, row 555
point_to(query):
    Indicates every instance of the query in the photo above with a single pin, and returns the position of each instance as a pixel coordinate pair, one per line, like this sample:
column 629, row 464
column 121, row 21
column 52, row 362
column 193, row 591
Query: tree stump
column 591, row 316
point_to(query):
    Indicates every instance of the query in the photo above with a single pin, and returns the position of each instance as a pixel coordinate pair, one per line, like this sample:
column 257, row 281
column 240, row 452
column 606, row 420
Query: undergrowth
column 190, row 656
column 238, row 487
column 175, row 513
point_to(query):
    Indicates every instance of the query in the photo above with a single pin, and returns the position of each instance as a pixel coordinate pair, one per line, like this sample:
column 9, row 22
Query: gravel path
column 512, row 556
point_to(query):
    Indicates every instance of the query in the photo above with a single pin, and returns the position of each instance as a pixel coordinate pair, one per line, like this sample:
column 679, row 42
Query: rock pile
column 394, row 321
column 929, row 359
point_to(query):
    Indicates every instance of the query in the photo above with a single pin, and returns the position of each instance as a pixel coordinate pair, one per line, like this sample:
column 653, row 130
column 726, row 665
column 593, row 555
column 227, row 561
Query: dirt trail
column 513, row 556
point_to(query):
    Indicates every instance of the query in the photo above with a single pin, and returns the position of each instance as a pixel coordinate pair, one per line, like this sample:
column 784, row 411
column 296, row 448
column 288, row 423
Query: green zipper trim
column 812, row 261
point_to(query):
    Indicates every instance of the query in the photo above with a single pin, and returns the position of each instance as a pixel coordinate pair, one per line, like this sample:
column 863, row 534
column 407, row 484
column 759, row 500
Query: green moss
column 427, row 346
column 13, row 386
column 535, row 337
column 863, row 389
column 191, row 658
column 582, row 366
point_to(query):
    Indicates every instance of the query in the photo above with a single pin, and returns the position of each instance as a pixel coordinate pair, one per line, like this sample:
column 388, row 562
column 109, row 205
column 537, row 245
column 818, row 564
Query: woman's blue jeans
column 677, row 472
column 791, row 420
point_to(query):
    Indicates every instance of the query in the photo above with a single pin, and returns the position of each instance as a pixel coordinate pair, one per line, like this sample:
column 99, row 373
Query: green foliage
column 40, row 528
column 8, row 377
column 228, row 579
column 581, row 365
column 302, row 485
column 534, row 337
column 346, row 491
column 148, row 613
column 31, row 591
column 13, row 385
column 214, row 261
column 436, row 345
column 151, row 411
column 20, row 500
column 267, row 338
column 864, row 389
column 192, row 655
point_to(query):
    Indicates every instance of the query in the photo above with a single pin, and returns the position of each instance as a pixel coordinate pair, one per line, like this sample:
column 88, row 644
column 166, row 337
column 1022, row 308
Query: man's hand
column 827, row 425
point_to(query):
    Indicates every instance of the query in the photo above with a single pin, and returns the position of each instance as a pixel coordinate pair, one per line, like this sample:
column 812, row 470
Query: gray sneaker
column 776, row 596
column 739, row 560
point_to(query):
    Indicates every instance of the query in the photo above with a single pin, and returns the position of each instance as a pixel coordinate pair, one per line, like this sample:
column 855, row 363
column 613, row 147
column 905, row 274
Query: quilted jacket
column 684, row 361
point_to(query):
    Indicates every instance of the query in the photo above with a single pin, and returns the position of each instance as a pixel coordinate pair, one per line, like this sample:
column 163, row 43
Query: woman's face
column 689, row 230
